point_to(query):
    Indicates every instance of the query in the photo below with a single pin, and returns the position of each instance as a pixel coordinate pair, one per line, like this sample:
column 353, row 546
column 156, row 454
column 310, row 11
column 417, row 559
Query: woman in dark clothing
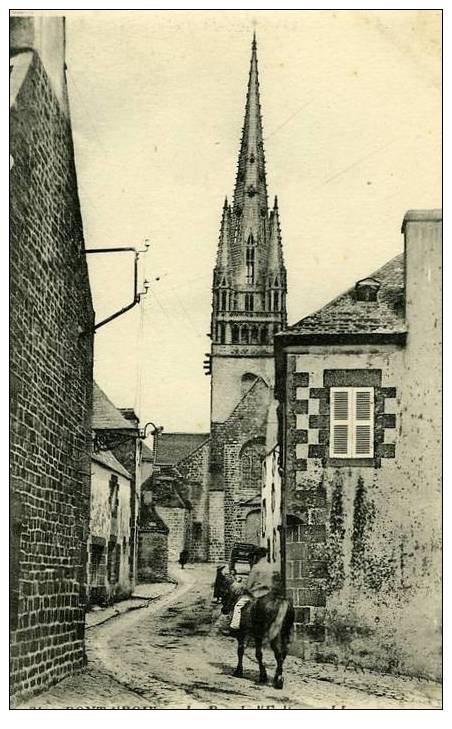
column 183, row 558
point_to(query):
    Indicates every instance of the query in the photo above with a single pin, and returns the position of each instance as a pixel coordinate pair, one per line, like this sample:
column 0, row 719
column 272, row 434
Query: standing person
column 258, row 584
column 183, row 558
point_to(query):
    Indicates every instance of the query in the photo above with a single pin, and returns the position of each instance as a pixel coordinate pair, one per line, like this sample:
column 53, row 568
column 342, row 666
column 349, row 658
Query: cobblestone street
column 171, row 655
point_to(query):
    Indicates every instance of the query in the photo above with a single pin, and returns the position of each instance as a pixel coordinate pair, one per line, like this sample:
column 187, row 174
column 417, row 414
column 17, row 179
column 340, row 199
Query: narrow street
column 171, row 655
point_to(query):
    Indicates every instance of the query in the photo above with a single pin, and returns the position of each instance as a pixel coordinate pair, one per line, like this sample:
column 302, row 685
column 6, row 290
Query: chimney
column 423, row 277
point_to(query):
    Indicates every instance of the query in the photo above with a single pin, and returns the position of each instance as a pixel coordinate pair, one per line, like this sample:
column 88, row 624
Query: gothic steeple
column 250, row 195
column 249, row 285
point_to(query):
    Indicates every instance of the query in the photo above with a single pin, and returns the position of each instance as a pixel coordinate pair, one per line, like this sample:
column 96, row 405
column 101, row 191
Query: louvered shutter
column 363, row 422
column 351, row 422
column 340, row 422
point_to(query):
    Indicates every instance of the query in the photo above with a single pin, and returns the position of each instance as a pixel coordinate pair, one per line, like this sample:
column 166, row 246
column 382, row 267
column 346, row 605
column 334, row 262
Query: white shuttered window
column 352, row 422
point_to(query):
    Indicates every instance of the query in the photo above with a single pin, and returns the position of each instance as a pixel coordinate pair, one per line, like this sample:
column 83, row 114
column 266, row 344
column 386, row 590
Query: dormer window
column 367, row 289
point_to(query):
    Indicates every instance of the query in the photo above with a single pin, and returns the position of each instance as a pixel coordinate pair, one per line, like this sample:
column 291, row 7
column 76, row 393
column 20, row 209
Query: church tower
column 248, row 308
column 249, row 281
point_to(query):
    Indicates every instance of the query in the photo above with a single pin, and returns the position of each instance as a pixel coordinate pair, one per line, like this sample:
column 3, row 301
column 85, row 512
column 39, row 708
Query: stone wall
column 246, row 425
column 109, row 538
column 51, row 391
column 152, row 555
column 177, row 520
column 216, row 526
column 195, row 472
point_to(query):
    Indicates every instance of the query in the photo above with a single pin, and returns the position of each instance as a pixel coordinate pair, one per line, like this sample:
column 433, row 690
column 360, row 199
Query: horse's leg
column 240, row 651
column 280, row 654
column 262, row 671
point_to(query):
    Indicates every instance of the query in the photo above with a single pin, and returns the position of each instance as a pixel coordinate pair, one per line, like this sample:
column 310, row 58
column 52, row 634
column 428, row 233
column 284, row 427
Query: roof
column 345, row 314
column 108, row 460
column 105, row 415
column 146, row 453
column 172, row 448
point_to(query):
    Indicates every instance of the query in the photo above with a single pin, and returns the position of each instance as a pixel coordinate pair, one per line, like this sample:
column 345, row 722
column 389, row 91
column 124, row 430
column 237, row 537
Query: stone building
column 116, row 431
column 109, row 576
column 249, row 307
column 185, row 457
column 111, row 568
column 152, row 540
column 359, row 388
column 51, row 359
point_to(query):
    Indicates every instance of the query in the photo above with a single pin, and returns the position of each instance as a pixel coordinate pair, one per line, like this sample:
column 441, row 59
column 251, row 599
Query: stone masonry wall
column 51, row 393
column 363, row 561
column 247, row 423
column 176, row 521
column 195, row 472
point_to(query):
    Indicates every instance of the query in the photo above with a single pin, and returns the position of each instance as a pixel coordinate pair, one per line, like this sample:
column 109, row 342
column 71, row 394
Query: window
column 264, row 516
column 235, row 334
column 249, row 302
column 351, row 424
column 114, row 496
column 250, row 258
column 275, row 301
column 224, row 300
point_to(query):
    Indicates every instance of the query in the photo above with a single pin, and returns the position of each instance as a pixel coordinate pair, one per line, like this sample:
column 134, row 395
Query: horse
column 269, row 616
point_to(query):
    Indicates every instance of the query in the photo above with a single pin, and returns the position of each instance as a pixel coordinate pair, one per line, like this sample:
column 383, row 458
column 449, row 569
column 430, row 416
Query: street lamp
column 157, row 429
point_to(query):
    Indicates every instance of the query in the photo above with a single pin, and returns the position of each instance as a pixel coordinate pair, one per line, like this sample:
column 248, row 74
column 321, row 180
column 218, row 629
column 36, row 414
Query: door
column 252, row 528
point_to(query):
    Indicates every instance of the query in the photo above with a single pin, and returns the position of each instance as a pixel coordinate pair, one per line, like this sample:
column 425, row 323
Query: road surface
column 172, row 655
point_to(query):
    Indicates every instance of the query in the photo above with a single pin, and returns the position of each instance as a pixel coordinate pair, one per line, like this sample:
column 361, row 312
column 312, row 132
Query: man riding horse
column 260, row 612
column 259, row 583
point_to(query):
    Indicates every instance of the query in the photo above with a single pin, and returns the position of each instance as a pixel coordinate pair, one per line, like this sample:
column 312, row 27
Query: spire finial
column 254, row 44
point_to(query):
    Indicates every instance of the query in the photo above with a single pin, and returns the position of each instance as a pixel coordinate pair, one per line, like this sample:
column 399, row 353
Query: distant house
column 185, row 457
column 112, row 540
column 175, row 510
column 152, row 540
column 359, row 391
column 109, row 539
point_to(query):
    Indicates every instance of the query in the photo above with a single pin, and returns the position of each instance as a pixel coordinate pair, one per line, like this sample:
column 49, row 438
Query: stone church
column 248, row 308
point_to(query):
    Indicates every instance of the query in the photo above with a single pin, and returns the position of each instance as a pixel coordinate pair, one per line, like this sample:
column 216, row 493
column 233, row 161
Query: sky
column 351, row 106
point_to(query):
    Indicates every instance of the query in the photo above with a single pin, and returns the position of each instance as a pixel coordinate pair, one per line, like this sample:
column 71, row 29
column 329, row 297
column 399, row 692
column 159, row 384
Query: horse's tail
column 276, row 626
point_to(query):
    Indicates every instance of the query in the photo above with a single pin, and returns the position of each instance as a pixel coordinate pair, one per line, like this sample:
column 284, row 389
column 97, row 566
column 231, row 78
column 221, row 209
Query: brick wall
column 51, row 392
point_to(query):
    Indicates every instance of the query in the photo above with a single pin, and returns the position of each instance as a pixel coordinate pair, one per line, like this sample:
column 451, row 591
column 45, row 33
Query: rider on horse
column 259, row 583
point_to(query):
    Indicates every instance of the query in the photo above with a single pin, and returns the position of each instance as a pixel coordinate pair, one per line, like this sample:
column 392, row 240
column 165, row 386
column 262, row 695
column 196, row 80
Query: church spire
column 250, row 195
column 223, row 254
column 275, row 263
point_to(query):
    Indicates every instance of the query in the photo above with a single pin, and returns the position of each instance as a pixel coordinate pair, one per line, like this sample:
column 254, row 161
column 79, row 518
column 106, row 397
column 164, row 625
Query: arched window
column 249, row 302
column 224, row 300
column 244, row 332
column 254, row 335
column 251, row 458
column 264, row 335
column 276, row 301
column 235, row 332
column 250, row 257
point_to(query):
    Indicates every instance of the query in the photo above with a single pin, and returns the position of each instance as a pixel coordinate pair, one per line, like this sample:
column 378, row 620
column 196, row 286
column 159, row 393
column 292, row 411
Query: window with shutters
column 352, row 422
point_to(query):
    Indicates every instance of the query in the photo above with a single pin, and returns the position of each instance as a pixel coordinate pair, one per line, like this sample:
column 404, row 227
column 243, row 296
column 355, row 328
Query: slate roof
column 105, row 415
column 172, row 448
column 346, row 314
column 146, row 453
column 107, row 459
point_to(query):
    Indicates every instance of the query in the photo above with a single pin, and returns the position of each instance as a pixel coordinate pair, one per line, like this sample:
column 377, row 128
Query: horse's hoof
column 238, row 674
column 278, row 683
